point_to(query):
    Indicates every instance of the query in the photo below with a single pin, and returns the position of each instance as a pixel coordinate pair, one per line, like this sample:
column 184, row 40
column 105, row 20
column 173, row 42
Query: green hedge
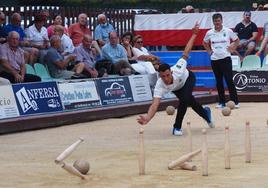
column 157, row 4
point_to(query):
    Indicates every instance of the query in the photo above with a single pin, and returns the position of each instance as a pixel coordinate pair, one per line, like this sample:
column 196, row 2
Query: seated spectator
column 116, row 54
column 57, row 20
column 247, row 32
column 147, row 63
column 78, row 30
column 189, row 9
column 58, row 66
column 4, row 81
column 12, row 61
column 67, row 46
column 30, row 53
column 86, row 53
column 37, row 35
column 264, row 39
column 126, row 40
column 102, row 30
column 2, row 32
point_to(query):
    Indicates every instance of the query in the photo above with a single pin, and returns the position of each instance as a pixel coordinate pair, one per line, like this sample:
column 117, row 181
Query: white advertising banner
column 8, row 106
column 79, row 94
column 140, row 88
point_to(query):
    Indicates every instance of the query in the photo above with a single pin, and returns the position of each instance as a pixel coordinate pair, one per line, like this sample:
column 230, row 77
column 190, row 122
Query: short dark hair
column 163, row 67
column 216, row 16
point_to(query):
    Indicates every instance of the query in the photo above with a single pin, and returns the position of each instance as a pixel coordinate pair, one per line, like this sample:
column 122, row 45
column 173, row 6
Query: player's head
column 217, row 20
column 165, row 73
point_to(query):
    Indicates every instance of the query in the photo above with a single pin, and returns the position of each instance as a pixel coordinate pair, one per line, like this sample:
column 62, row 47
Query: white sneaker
column 177, row 132
column 237, row 106
column 220, row 105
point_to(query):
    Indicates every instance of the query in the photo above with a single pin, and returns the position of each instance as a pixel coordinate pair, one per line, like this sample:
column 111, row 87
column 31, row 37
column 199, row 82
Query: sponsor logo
column 242, row 81
column 27, row 98
column 116, row 89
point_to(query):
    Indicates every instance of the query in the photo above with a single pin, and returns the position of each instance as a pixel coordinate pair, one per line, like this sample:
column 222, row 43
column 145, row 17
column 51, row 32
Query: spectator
column 86, row 53
column 44, row 13
column 147, row 63
column 189, row 9
column 264, row 42
column 57, row 20
column 30, row 53
column 247, row 32
column 37, row 35
column 2, row 32
column 58, row 66
column 217, row 42
column 126, row 41
column 12, row 61
column 78, row 30
column 67, row 46
column 116, row 54
column 102, row 30
column 4, row 81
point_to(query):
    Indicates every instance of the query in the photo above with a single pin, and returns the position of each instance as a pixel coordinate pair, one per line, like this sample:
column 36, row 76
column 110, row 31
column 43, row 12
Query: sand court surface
column 111, row 148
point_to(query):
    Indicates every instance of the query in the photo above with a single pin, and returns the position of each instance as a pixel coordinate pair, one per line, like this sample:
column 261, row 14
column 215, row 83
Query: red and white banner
column 175, row 29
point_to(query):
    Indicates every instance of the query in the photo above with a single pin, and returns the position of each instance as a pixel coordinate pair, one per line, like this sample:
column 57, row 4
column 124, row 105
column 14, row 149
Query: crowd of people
column 69, row 53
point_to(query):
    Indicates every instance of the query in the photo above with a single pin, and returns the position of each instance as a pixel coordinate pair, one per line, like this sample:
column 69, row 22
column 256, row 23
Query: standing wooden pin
column 68, row 151
column 189, row 132
column 204, row 154
column 227, row 149
column 247, row 143
column 141, row 152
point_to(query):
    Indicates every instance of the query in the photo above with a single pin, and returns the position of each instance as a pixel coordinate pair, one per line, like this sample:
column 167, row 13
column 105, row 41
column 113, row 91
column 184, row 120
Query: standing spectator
column 78, row 30
column 146, row 61
column 58, row 66
column 102, row 30
column 264, row 42
column 30, row 53
column 57, row 20
column 2, row 32
column 247, row 32
column 217, row 42
column 37, row 35
column 12, row 61
column 116, row 54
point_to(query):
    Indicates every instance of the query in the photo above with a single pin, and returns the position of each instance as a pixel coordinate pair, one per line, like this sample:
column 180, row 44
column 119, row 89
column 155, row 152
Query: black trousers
column 27, row 77
column 185, row 95
column 222, row 68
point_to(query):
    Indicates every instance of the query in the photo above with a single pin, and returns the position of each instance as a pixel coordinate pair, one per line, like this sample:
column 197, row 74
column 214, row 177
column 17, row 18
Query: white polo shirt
column 219, row 41
column 37, row 37
column 179, row 74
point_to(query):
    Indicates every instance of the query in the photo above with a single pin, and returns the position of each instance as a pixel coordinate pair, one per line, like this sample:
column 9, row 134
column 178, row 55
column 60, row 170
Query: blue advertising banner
column 79, row 94
column 39, row 97
column 114, row 91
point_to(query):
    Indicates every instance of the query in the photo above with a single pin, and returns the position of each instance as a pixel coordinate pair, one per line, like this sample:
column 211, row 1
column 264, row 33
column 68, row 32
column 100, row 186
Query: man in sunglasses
column 180, row 81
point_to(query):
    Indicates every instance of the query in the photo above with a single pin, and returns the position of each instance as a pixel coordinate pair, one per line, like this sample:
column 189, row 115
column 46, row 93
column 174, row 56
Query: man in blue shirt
column 102, row 30
column 14, row 25
column 116, row 54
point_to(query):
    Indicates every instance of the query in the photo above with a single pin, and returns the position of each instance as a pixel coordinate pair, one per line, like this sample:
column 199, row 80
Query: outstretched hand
column 196, row 28
column 143, row 119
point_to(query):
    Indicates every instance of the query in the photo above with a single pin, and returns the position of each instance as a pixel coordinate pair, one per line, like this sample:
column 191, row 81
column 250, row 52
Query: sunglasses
column 139, row 42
